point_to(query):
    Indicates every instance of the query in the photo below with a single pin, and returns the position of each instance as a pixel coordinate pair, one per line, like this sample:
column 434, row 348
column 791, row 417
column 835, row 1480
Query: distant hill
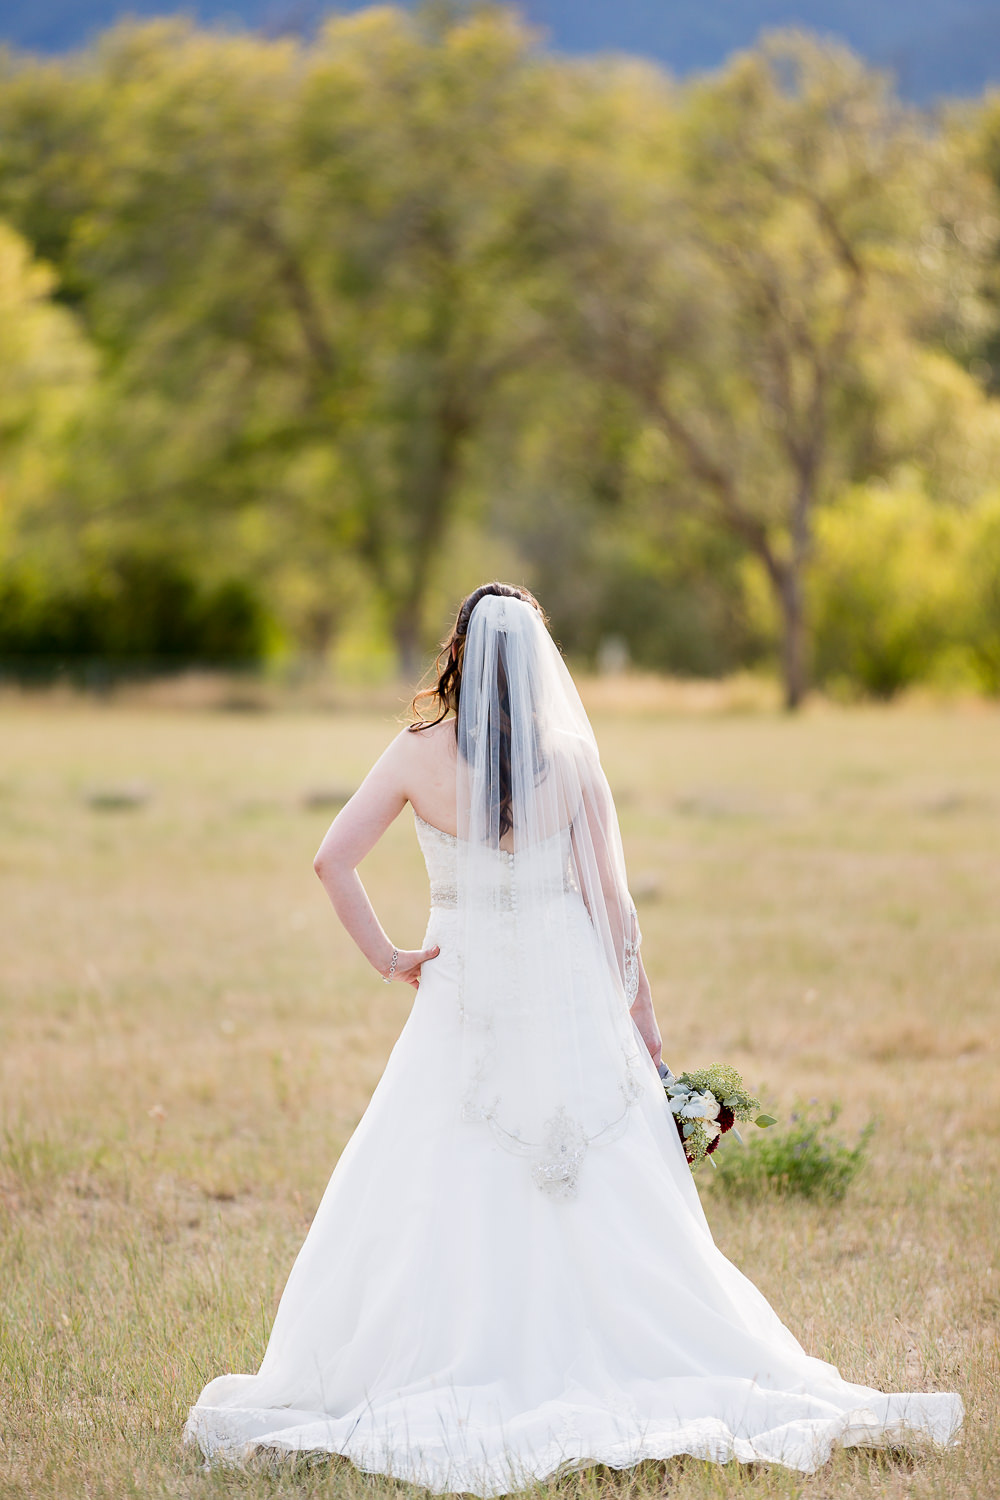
column 934, row 47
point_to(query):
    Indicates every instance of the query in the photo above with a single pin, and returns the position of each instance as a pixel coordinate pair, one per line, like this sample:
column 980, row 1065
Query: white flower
column 701, row 1107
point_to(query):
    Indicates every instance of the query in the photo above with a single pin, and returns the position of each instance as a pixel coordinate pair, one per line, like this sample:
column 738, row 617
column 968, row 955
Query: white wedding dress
column 449, row 1323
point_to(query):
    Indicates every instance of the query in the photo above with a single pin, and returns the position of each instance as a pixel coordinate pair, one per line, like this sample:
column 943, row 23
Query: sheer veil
column 552, row 1061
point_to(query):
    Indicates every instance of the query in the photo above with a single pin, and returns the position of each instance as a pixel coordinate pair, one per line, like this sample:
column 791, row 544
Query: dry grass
column 186, row 1041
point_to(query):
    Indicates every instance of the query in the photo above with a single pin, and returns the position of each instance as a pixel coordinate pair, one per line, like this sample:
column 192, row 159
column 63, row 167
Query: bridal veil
column 546, row 925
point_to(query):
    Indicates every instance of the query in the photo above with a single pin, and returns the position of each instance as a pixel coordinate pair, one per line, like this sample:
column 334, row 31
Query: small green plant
column 807, row 1156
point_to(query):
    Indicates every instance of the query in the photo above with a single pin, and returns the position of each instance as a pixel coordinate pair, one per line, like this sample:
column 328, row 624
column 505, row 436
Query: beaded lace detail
column 558, row 1166
column 440, row 850
column 631, row 960
column 559, row 1155
column 557, row 1158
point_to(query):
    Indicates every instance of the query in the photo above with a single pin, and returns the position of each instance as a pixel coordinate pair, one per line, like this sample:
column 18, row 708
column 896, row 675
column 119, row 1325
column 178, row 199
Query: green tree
column 47, row 372
column 359, row 299
column 308, row 270
column 974, row 127
column 979, row 605
column 436, row 124
column 746, row 269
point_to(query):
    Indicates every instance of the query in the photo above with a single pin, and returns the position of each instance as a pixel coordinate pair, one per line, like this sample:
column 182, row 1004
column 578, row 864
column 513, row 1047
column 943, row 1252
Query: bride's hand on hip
column 410, row 961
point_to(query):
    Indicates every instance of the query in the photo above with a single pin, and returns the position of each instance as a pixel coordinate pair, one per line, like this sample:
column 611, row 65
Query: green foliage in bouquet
column 706, row 1103
column 807, row 1157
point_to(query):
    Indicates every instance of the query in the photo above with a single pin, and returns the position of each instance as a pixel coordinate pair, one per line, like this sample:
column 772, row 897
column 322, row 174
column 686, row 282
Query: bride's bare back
column 428, row 761
column 419, row 768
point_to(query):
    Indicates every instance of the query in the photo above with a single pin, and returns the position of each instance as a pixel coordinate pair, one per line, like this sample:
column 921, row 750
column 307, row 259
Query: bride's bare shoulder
column 428, row 772
column 419, row 755
column 433, row 740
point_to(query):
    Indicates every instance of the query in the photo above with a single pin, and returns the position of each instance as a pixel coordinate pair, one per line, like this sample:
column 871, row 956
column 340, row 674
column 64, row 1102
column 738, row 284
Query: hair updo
column 433, row 704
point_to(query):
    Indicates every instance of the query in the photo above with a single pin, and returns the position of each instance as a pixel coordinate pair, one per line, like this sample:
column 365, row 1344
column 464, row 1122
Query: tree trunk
column 428, row 498
column 406, row 634
column 794, row 644
column 793, row 634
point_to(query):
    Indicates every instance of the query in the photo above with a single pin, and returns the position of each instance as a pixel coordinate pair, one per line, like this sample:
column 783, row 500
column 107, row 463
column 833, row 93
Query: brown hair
column 441, row 699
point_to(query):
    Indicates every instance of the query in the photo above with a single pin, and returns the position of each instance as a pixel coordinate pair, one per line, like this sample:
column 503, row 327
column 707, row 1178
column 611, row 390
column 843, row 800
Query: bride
column 510, row 1273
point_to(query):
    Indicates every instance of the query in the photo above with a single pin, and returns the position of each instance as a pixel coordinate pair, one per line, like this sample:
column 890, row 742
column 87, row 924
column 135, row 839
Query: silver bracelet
column 387, row 978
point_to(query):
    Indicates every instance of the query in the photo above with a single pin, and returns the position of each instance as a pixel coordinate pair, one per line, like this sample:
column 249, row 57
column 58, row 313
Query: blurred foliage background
column 300, row 340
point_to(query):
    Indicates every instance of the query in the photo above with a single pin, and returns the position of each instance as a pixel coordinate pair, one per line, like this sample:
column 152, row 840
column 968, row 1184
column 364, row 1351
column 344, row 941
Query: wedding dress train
column 448, row 1323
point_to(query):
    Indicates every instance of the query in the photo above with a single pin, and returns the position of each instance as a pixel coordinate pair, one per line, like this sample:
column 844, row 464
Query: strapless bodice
column 543, row 871
column 440, row 851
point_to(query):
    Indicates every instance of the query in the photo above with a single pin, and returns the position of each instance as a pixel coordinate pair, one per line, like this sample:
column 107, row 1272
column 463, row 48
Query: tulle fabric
column 546, row 925
column 449, row 1324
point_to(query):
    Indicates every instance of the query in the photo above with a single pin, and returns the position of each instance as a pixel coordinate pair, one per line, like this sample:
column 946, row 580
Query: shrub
column 980, row 609
column 806, row 1157
column 131, row 612
column 885, row 585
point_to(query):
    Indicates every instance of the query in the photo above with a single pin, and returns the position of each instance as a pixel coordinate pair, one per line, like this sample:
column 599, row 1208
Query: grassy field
column 187, row 1041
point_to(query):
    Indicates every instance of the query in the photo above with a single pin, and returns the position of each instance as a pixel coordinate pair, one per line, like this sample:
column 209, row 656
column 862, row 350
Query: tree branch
column 739, row 520
column 300, row 296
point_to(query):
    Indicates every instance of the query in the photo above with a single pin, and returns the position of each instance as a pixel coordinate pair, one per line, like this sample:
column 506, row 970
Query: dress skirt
column 448, row 1324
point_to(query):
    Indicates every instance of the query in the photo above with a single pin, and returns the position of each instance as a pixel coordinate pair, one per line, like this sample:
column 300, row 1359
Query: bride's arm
column 353, row 833
column 598, row 812
column 644, row 1016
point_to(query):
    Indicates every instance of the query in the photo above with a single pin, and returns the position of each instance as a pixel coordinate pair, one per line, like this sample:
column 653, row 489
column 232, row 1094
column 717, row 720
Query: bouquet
column 706, row 1104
